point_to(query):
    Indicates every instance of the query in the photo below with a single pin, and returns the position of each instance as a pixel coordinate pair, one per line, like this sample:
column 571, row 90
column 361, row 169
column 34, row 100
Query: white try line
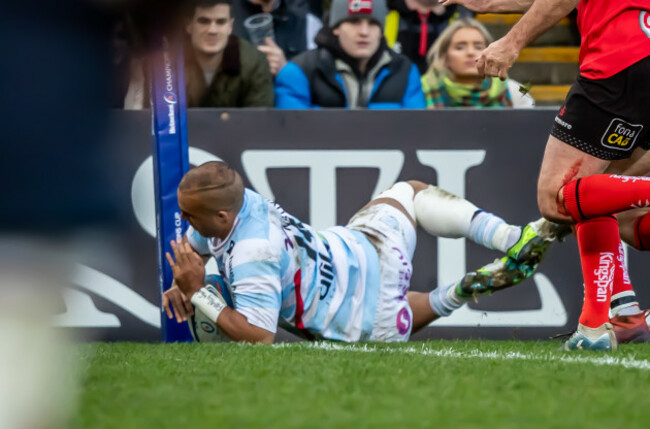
column 609, row 360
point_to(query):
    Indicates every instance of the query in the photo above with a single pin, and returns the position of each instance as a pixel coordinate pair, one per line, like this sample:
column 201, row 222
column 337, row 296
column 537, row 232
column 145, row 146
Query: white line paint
column 608, row 360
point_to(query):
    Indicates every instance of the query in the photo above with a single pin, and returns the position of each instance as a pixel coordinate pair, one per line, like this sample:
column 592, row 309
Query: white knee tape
column 442, row 213
column 403, row 193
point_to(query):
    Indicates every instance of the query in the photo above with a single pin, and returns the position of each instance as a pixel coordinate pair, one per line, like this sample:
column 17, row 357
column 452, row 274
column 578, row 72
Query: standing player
column 344, row 283
column 604, row 119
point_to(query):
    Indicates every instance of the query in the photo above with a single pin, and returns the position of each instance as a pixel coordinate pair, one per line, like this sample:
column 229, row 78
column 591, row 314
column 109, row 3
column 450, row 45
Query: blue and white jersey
column 280, row 271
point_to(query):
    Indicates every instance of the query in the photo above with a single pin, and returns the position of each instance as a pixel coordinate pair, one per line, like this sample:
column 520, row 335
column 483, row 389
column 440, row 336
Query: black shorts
column 608, row 118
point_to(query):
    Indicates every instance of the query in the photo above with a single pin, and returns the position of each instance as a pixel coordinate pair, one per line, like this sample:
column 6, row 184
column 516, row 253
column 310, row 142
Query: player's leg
column 423, row 313
column 443, row 214
column 634, row 226
column 598, row 123
column 628, row 319
column 396, row 238
column 445, row 299
column 562, row 165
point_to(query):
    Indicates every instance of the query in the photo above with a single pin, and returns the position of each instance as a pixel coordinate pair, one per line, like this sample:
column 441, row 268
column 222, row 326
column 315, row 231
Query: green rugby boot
column 500, row 274
column 535, row 239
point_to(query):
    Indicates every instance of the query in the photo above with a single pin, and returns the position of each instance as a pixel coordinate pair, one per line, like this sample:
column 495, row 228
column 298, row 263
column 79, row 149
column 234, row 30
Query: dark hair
column 192, row 5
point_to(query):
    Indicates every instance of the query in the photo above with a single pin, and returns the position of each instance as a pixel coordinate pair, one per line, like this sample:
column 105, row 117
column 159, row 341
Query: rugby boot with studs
column 500, row 274
column 632, row 328
column 601, row 339
column 535, row 239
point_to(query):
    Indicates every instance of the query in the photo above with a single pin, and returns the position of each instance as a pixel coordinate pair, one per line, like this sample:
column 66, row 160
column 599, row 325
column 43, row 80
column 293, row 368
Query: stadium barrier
column 322, row 166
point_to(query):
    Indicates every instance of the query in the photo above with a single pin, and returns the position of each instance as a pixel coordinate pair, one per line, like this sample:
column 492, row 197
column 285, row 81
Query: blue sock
column 493, row 232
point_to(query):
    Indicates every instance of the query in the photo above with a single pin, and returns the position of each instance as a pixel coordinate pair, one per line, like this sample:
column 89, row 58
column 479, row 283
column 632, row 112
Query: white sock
column 443, row 214
column 624, row 304
column 493, row 232
column 444, row 300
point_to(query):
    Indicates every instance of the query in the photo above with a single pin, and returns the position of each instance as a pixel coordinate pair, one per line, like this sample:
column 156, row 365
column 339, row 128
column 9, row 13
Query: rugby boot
column 601, row 339
column 535, row 239
column 632, row 328
column 500, row 274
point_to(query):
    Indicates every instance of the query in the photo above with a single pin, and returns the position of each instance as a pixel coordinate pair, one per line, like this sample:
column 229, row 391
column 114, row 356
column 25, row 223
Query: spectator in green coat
column 222, row 70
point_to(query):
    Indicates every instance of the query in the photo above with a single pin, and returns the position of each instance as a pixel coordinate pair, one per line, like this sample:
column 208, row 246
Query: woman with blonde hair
column 452, row 79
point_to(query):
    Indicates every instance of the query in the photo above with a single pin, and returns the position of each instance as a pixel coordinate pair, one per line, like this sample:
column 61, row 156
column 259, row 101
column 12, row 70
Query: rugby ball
column 203, row 329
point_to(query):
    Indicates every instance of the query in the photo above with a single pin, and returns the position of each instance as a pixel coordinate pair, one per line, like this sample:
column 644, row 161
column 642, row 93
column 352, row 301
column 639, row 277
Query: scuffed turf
column 441, row 384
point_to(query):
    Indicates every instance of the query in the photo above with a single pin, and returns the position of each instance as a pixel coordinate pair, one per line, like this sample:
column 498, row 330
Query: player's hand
column 187, row 266
column 497, row 58
column 274, row 55
column 478, row 6
column 182, row 306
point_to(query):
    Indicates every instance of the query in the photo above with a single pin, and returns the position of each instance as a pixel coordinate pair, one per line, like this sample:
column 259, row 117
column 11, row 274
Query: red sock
column 622, row 281
column 598, row 242
column 605, row 194
column 623, row 295
column 642, row 232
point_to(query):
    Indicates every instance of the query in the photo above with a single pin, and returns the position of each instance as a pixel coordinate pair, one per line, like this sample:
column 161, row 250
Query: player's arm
column 235, row 323
column 189, row 275
column 542, row 15
column 237, row 328
column 497, row 58
column 492, row 6
column 174, row 301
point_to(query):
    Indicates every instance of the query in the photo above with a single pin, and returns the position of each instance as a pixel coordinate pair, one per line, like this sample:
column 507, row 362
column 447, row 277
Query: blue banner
column 170, row 156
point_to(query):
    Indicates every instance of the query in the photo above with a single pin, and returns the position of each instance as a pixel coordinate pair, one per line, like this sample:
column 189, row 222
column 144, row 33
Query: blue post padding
column 171, row 161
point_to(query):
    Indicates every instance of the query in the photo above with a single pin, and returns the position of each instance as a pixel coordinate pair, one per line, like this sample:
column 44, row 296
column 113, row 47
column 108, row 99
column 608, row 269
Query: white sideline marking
column 628, row 363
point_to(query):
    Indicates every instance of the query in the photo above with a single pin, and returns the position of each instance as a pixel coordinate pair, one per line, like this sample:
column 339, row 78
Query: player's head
column 210, row 196
column 209, row 23
column 455, row 51
column 358, row 24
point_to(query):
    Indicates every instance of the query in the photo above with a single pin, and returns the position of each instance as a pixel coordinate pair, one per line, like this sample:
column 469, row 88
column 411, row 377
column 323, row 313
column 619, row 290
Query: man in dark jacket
column 352, row 68
column 221, row 69
column 295, row 25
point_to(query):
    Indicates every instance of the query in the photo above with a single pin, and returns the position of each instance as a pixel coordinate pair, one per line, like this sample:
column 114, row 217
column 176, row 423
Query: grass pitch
column 437, row 384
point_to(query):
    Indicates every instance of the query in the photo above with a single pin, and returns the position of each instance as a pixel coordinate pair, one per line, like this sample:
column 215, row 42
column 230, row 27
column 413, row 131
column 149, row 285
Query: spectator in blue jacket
column 352, row 67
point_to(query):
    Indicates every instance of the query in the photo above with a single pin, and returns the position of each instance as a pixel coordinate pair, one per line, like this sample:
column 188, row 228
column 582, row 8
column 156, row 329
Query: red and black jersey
column 615, row 35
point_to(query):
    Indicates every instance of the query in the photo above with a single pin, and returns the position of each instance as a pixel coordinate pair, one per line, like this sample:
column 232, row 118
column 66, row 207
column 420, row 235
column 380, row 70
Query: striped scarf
column 443, row 92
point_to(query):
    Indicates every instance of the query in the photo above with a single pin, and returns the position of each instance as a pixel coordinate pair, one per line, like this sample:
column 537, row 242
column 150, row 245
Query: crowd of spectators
column 355, row 54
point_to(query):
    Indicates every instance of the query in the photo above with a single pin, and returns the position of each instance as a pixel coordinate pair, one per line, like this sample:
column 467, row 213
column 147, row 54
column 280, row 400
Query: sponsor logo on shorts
column 644, row 21
column 621, row 135
column 403, row 321
column 565, row 124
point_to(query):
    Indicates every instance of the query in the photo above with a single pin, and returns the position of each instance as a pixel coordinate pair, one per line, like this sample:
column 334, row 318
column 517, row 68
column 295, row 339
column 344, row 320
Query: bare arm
column 189, row 272
column 492, row 6
column 174, row 301
column 237, row 328
column 497, row 58
column 542, row 15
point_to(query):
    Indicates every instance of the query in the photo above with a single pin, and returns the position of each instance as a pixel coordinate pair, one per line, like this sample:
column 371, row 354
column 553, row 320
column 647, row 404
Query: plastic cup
column 259, row 27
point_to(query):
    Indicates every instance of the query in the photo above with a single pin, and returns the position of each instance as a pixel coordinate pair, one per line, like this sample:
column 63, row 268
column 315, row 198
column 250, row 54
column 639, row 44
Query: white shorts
column 393, row 236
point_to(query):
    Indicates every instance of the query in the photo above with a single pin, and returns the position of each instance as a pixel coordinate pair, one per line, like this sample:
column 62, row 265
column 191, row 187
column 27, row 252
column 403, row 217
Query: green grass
column 436, row 384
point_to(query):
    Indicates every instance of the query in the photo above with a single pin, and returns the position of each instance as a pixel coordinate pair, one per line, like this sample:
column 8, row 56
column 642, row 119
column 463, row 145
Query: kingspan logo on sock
column 604, row 275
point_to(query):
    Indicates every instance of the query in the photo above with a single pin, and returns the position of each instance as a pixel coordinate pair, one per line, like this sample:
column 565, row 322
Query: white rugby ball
column 202, row 328
column 205, row 330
